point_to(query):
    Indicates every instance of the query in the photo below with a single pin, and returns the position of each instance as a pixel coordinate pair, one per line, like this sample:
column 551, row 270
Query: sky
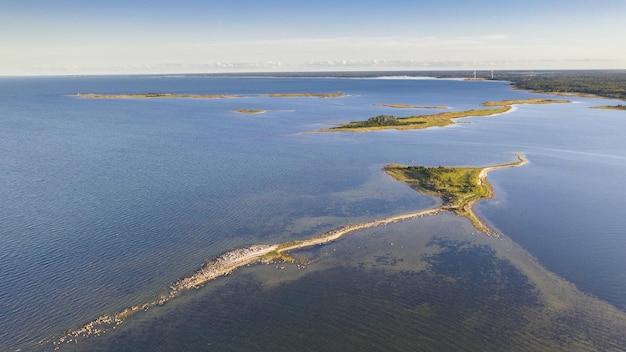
column 68, row 37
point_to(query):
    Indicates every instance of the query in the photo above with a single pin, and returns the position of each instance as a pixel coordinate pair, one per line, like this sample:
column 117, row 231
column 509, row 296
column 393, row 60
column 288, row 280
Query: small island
column 207, row 96
column 384, row 122
column 611, row 107
column 159, row 96
column 249, row 111
column 408, row 106
column 459, row 188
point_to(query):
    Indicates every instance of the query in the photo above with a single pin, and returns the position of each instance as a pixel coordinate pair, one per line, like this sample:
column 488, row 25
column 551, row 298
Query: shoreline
column 468, row 208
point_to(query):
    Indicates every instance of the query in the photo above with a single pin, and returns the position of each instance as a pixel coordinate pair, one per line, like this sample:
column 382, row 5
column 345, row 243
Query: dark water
column 427, row 285
column 105, row 202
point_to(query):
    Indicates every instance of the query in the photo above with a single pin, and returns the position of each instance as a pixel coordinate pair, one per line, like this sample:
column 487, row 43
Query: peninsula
column 459, row 188
column 384, row 122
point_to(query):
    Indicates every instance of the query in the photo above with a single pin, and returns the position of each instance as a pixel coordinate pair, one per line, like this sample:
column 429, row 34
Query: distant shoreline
column 206, row 96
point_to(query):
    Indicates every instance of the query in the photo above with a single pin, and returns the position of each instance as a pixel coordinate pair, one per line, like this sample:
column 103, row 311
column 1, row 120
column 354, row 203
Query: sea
column 106, row 202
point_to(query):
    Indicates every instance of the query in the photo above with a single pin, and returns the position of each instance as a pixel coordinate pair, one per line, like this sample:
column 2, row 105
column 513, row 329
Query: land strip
column 385, row 122
column 207, row 96
column 459, row 188
column 611, row 107
column 408, row 106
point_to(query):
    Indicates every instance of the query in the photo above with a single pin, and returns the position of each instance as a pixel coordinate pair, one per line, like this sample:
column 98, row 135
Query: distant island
column 249, row 111
column 408, row 106
column 610, row 107
column 207, row 96
column 383, row 122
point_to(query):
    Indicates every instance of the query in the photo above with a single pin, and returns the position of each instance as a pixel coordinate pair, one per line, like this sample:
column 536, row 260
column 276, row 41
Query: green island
column 408, row 106
column 611, row 107
column 207, row 96
column 159, row 96
column 249, row 111
column 383, row 122
column 458, row 187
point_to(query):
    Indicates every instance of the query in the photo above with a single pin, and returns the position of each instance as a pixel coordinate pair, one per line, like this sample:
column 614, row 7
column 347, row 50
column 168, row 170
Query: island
column 207, row 96
column 459, row 188
column 408, row 106
column 384, row 122
column 611, row 107
column 249, row 111
column 159, row 96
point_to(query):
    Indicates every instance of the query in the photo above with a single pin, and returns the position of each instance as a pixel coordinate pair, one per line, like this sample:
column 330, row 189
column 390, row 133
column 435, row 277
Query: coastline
column 482, row 180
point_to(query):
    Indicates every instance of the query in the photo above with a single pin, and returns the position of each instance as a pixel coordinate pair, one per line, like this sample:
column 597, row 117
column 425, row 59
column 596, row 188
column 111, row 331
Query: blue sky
column 99, row 37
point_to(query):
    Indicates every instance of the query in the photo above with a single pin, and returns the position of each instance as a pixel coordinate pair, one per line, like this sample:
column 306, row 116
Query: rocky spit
column 223, row 265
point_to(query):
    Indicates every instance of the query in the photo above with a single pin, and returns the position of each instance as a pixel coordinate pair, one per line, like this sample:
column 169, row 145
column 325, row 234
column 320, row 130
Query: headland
column 459, row 188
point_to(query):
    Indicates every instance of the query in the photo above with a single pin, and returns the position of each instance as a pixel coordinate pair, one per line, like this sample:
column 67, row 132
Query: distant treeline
column 606, row 83
column 610, row 84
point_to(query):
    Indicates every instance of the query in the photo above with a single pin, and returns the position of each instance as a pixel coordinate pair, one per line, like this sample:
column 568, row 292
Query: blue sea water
column 105, row 202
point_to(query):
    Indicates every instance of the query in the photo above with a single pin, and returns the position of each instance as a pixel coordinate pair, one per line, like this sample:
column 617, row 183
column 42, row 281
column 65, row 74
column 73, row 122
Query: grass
column 249, row 111
column 456, row 186
column 435, row 120
column 407, row 106
column 610, row 107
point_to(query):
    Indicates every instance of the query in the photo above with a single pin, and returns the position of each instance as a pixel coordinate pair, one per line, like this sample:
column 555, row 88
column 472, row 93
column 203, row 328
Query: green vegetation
column 249, row 111
column 434, row 120
column 206, row 96
column 305, row 95
column 611, row 107
column 609, row 84
column 158, row 96
column 456, row 186
column 407, row 106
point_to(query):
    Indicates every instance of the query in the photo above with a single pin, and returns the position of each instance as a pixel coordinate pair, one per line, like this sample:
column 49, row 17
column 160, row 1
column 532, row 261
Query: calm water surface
column 105, row 202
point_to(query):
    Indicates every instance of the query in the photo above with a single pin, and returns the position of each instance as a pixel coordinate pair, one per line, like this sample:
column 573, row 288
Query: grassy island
column 408, row 106
column 159, row 96
column 306, row 95
column 383, row 122
column 249, row 111
column 207, row 96
column 611, row 107
column 458, row 187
